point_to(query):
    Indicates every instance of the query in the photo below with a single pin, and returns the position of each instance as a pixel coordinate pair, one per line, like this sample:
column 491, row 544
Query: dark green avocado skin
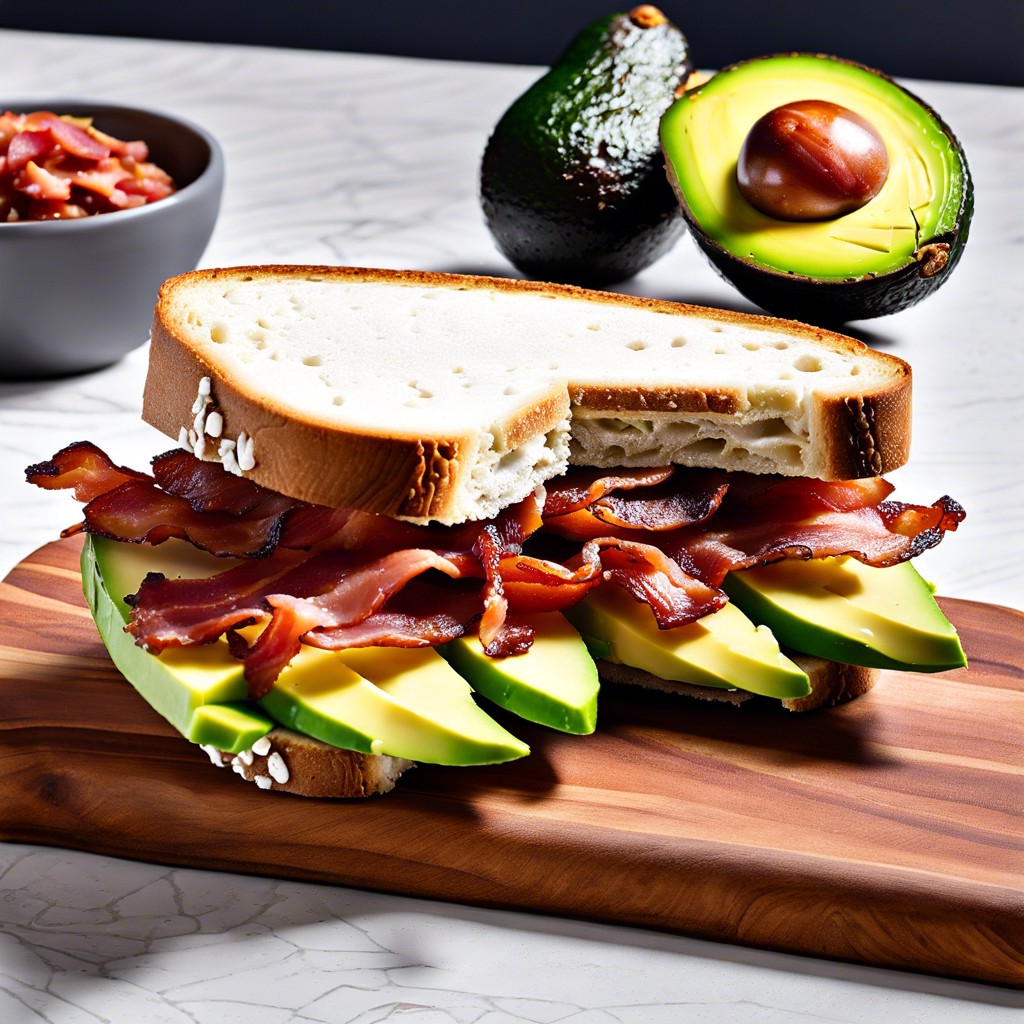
column 572, row 182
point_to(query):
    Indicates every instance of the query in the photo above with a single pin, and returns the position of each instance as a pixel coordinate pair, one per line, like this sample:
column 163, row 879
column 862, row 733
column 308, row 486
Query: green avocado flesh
column 389, row 700
column 417, row 705
column 725, row 649
column 197, row 689
column 554, row 683
column 921, row 200
column 843, row 610
column 384, row 701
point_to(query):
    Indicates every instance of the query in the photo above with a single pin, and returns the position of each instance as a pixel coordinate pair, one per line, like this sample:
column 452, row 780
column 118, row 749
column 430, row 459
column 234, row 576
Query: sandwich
column 401, row 498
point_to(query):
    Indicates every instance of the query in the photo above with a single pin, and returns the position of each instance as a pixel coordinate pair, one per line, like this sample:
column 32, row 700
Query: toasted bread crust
column 394, row 475
column 313, row 768
column 374, row 467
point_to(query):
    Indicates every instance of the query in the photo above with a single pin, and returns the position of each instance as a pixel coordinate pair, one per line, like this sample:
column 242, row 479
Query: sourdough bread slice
column 291, row 762
column 831, row 683
column 445, row 397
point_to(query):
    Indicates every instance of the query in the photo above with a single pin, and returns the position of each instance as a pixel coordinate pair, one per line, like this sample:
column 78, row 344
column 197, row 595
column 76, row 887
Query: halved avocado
column 572, row 182
column 879, row 259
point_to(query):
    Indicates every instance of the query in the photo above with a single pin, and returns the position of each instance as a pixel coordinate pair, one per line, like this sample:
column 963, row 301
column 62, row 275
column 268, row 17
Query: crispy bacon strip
column 181, row 612
column 495, row 543
column 796, row 498
column 657, row 506
column 879, row 536
column 208, row 488
column 83, row 468
column 358, row 592
column 649, row 575
column 138, row 512
column 580, row 488
column 339, row 578
column 421, row 615
column 540, row 585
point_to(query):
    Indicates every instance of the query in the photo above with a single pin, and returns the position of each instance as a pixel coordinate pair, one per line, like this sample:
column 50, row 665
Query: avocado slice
column 389, row 700
column 378, row 700
column 572, row 181
column 883, row 257
column 843, row 610
column 724, row 649
column 197, row 689
column 554, row 683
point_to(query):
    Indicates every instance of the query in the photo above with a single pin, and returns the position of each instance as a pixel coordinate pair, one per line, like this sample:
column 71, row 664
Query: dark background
column 956, row 40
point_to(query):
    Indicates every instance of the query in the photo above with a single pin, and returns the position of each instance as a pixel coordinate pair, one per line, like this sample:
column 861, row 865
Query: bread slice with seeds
column 291, row 762
column 444, row 397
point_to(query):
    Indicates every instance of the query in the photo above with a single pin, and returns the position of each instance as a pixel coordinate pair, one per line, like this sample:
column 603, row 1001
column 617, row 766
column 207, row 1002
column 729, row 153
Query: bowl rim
column 62, row 105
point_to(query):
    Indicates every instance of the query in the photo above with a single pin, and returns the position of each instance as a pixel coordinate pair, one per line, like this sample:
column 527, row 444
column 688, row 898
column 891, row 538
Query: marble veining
column 90, row 939
column 335, row 158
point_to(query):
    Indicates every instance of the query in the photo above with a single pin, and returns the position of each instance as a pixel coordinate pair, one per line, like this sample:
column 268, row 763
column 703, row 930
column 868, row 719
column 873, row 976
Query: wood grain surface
column 889, row 831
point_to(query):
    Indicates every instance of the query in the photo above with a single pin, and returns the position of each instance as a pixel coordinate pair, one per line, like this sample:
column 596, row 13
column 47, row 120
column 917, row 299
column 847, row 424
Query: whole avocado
column 572, row 183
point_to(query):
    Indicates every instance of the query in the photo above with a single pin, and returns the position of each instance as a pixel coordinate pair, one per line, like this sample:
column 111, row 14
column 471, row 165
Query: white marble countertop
column 336, row 158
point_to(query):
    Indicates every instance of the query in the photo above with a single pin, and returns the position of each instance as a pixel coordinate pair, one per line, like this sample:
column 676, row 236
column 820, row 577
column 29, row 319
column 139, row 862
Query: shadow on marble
column 74, row 922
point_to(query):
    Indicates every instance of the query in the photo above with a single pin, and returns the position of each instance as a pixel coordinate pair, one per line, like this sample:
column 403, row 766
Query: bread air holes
column 421, row 394
column 219, row 333
column 679, row 342
column 314, row 359
column 636, row 346
column 807, row 363
column 707, row 447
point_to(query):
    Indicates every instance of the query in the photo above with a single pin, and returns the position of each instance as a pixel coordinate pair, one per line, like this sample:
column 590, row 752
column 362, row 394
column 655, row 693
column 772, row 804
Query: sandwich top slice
column 374, row 462
column 445, row 398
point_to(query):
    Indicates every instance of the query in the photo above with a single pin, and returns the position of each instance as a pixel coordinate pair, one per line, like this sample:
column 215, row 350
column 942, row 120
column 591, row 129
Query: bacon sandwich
column 407, row 461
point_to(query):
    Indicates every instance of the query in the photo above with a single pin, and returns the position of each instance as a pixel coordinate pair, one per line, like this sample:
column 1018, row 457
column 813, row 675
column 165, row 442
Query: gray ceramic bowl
column 77, row 295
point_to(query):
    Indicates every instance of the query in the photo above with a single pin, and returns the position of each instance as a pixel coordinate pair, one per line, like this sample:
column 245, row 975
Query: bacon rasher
column 592, row 503
column 337, row 578
column 81, row 467
column 744, row 536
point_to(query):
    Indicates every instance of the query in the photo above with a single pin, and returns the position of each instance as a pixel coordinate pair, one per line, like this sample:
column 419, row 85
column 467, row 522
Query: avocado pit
column 811, row 160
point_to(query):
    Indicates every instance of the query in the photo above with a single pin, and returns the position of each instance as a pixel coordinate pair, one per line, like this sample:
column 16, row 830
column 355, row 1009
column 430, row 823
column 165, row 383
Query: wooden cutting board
column 889, row 831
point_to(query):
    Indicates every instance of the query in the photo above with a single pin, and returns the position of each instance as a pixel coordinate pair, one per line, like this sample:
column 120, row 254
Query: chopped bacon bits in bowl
column 60, row 167
column 77, row 290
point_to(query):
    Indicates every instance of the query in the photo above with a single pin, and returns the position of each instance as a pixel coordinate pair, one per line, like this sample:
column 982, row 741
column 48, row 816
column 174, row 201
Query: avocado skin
column 554, row 214
column 833, row 303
